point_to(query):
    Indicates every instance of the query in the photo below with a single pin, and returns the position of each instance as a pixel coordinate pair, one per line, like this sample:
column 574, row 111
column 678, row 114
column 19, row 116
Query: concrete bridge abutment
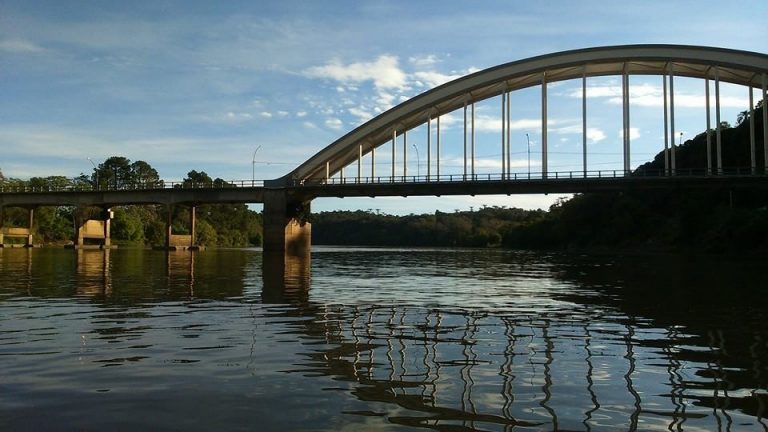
column 17, row 232
column 287, row 242
column 93, row 232
column 181, row 242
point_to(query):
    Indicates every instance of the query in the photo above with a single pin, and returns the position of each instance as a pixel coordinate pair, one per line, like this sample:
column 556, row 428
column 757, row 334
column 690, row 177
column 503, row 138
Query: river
column 383, row 339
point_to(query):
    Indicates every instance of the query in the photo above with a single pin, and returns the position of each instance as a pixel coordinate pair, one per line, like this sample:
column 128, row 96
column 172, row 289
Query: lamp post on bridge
column 95, row 174
column 253, row 166
column 418, row 161
column 529, row 153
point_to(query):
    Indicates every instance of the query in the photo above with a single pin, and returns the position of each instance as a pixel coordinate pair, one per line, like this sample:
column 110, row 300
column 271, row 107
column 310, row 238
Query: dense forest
column 708, row 221
column 226, row 225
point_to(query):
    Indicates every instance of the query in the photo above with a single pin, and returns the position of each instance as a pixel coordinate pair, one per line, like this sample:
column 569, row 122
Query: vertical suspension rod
column 438, row 148
column 765, row 122
column 625, row 116
column 709, row 126
column 672, row 115
column 584, row 120
column 717, row 119
column 503, row 134
column 465, row 140
column 373, row 163
column 509, row 133
column 473, row 140
column 666, row 126
column 394, row 138
column 544, row 125
column 752, row 146
column 429, row 147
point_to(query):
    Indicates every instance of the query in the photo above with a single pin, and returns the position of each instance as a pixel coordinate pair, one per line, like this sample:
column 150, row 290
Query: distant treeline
column 229, row 225
column 484, row 227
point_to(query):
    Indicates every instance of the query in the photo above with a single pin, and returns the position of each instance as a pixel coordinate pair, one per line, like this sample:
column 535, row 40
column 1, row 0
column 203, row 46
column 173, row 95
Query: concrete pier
column 93, row 233
column 17, row 232
column 180, row 242
column 287, row 242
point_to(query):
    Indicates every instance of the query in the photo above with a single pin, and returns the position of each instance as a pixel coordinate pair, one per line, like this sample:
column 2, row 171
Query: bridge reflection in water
column 593, row 361
column 464, row 369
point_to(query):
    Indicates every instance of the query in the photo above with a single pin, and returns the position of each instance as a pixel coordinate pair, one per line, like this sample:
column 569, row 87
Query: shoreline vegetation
column 725, row 221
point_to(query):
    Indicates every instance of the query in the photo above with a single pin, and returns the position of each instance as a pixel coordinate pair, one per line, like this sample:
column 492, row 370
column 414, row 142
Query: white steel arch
column 724, row 65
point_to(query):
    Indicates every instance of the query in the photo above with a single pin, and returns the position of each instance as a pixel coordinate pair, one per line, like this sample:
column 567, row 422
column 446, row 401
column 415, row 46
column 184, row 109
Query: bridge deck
column 411, row 186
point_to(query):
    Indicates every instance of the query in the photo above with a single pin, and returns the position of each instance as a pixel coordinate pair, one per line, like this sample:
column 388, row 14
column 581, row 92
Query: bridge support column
column 96, row 229
column 25, row 233
column 287, row 241
column 174, row 242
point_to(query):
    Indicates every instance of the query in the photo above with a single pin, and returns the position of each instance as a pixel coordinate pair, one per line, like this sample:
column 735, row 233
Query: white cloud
column 333, row 123
column 423, row 61
column 266, row 114
column 490, row 124
column 282, row 113
column 593, row 134
column 232, row 116
column 309, row 125
column 301, row 114
column 19, row 46
column 634, row 133
column 432, row 79
column 384, row 72
column 362, row 114
column 596, row 135
column 648, row 95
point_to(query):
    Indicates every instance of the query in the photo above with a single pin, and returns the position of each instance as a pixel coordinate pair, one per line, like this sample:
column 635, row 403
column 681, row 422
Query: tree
column 115, row 172
column 196, row 179
column 743, row 116
column 143, row 174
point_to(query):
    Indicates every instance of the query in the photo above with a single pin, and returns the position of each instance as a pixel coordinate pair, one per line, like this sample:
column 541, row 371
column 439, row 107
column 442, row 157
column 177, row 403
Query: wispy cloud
column 648, row 95
column 384, row 72
column 20, row 46
column 334, row 123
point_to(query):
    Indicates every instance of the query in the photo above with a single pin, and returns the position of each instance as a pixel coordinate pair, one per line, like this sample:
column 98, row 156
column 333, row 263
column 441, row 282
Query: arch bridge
column 386, row 136
column 348, row 166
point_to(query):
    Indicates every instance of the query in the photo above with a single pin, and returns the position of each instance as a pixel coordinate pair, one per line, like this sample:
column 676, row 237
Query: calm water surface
column 383, row 340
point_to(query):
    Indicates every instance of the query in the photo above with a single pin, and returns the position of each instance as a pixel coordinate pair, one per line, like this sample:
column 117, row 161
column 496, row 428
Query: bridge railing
column 25, row 187
column 535, row 176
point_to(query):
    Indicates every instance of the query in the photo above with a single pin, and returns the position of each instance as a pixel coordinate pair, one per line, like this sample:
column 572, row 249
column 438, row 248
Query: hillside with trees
column 704, row 221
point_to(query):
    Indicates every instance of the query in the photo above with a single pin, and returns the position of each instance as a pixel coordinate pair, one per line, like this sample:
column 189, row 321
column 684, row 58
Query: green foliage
column 128, row 224
column 702, row 221
column 480, row 228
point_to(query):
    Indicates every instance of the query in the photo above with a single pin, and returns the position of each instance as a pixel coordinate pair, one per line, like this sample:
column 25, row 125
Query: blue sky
column 200, row 85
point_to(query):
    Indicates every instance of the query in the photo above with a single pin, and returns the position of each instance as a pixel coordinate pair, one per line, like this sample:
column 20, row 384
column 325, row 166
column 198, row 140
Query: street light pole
column 418, row 161
column 253, row 166
column 529, row 153
column 95, row 174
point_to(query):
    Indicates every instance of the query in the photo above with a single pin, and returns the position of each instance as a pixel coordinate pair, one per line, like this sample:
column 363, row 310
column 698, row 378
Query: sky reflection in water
column 384, row 339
